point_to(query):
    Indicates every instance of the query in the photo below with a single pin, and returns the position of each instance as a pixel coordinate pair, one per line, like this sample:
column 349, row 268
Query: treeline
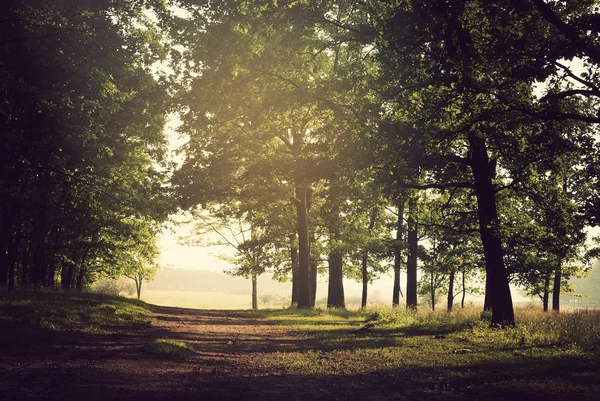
column 345, row 138
column 81, row 141
column 332, row 137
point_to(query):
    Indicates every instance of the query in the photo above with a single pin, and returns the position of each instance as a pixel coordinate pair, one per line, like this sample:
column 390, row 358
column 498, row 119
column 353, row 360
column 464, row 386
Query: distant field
column 197, row 299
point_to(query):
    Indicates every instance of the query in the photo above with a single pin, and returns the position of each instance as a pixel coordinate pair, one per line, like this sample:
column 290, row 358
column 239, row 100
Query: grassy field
column 30, row 320
column 389, row 354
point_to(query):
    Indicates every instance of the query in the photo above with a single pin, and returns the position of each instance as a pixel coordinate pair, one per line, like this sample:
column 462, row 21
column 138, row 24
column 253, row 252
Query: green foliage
column 82, row 136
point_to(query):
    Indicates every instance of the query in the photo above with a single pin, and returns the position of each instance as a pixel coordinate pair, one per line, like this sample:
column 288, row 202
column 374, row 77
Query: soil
column 225, row 364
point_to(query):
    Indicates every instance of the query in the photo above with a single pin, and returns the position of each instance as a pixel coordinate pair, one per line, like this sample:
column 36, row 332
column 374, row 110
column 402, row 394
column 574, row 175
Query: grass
column 551, row 355
column 418, row 355
column 32, row 319
column 168, row 348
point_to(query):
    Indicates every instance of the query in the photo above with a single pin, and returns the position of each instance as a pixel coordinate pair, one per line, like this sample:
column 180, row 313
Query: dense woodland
column 455, row 140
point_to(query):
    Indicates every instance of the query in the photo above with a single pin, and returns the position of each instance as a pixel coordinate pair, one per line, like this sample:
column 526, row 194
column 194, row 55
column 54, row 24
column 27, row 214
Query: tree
column 81, row 135
column 277, row 119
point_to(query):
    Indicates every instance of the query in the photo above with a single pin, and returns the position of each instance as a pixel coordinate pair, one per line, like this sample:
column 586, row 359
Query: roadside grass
column 32, row 319
column 458, row 352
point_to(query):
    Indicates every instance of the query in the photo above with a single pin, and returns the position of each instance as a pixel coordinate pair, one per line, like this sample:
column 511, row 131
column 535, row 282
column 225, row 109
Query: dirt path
column 226, row 363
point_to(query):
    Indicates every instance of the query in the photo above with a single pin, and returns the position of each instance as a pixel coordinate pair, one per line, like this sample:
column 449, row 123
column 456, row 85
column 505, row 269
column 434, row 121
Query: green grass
column 32, row 319
column 458, row 353
column 169, row 349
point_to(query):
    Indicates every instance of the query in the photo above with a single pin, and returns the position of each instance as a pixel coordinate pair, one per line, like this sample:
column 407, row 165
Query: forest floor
column 167, row 353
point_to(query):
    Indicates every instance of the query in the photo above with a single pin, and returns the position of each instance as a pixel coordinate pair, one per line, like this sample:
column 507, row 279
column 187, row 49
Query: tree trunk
column 432, row 285
column 5, row 246
column 14, row 250
column 39, row 250
column 335, row 291
column 25, row 258
column 556, row 288
column 487, row 301
column 294, row 258
column 67, row 271
column 451, row 290
column 303, row 250
column 254, row 291
column 398, row 253
column 365, row 279
column 365, row 260
column 546, row 296
column 411, row 265
column 313, row 275
column 81, row 276
column 138, row 286
column 464, row 291
column 489, row 226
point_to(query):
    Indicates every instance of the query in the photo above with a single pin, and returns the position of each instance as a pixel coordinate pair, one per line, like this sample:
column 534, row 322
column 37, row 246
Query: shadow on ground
column 115, row 365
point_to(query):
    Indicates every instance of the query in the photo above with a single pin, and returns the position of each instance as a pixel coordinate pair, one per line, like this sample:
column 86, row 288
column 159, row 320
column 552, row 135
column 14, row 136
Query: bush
column 113, row 287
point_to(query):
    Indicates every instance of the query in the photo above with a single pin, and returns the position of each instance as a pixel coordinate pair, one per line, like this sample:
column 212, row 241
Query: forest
column 454, row 140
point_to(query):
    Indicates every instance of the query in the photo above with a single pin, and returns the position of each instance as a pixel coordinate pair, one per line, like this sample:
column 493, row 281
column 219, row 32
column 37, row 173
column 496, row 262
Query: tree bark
column 464, row 291
column 546, row 295
column 5, row 246
column 335, row 291
column 432, row 284
column 294, row 259
column 365, row 279
column 451, row 290
column 411, row 265
column 313, row 275
column 303, row 250
column 556, row 288
column 398, row 253
column 138, row 286
column 25, row 258
column 487, row 301
column 365, row 261
column 489, row 226
column 254, row 291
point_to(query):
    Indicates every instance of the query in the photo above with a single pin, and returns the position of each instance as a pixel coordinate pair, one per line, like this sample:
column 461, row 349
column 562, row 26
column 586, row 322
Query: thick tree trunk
column 67, row 272
column 254, row 291
column 411, row 265
column 556, row 288
column 138, row 287
column 303, row 250
column 81, row 276
column 335, row 291
column 398, row 253
column 335, row 294
column 451, row 290
column 489, row 226
column 294, row 259
column 487, row 301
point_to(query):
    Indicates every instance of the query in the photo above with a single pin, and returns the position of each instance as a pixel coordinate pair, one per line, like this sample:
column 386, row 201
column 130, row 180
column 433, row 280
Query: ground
column 243, row 355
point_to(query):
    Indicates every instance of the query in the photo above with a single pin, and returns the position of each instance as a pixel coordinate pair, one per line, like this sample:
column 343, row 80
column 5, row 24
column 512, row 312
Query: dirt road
column 225, row 363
